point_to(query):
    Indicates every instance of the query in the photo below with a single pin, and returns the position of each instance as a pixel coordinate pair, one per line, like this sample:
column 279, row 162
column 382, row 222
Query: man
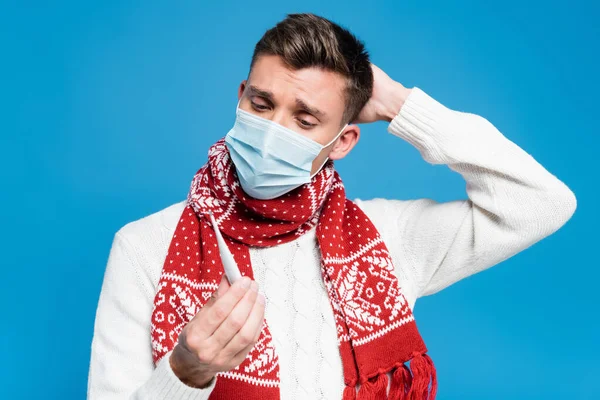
column 324, row 307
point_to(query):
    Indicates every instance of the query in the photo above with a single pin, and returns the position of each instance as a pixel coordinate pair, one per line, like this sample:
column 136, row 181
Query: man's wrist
column 394, row 100
column 186, row 374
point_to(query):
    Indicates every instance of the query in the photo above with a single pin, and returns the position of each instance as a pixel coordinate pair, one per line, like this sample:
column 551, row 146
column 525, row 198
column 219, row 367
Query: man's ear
column 345, row 143
column 241, row 89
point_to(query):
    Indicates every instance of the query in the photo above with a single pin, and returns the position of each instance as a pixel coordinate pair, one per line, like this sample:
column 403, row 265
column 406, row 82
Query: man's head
column 312, row 76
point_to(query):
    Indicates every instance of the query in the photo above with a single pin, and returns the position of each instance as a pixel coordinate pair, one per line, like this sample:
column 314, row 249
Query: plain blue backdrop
column 108, row 109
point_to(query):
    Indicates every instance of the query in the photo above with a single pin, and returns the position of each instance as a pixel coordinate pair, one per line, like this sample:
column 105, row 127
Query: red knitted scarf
column 376, row 330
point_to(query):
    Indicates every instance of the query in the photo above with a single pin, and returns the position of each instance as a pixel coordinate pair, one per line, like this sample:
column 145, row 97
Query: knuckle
column 219, row 364
column 246, row 339
column 186, row 334
column 192, row 341
column 236, row 322
column 207, row 356
column 219, row 312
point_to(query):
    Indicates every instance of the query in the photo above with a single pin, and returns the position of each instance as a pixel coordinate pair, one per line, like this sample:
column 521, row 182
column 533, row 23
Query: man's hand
column 221, row 334
column 385, row 102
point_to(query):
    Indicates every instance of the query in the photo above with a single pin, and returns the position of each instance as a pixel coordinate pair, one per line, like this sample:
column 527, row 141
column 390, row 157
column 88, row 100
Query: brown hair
column 307, row 40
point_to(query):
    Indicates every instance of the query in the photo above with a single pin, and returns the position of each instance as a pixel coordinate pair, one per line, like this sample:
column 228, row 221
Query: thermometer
column 231, row 269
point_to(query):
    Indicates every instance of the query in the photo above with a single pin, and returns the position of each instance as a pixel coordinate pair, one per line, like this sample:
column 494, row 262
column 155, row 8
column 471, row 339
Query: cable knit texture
column 512, row 203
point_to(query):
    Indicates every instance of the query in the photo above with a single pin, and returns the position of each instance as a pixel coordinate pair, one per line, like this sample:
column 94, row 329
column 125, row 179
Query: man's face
column 309, row 101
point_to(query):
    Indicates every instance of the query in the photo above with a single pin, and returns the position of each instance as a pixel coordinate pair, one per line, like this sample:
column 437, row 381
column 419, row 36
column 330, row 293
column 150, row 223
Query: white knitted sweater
column 512, row 203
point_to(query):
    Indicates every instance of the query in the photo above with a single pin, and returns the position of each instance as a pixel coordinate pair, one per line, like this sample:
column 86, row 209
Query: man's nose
column 280, row 117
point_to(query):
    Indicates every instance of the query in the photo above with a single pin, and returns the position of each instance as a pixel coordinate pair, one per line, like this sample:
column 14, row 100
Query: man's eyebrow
column 259, row 92
column 311, row 110
column 299, row 102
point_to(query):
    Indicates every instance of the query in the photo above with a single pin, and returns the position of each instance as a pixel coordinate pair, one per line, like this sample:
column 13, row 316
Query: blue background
column 108, row 109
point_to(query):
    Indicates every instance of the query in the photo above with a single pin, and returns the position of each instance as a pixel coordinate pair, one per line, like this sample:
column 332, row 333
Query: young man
column 324, row 308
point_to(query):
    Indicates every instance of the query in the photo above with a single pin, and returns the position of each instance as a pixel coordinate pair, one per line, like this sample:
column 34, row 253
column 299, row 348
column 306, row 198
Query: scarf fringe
column 349, row 393
column 374, row 390
column 401, row 383
column 404, row 384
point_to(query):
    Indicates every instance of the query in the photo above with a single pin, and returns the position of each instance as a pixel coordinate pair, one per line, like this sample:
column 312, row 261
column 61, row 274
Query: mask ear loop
column 323, row 146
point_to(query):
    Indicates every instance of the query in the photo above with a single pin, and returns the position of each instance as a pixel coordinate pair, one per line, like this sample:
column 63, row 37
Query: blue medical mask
column 270, row 159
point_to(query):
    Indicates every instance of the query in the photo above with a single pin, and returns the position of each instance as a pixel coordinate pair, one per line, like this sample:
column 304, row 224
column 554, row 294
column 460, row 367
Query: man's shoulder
column 155, row 224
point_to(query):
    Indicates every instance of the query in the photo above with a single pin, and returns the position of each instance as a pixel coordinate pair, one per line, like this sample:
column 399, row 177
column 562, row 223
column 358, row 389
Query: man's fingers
column 241, row 355
column 212, row 315
column 237, row 319
column 250, row 332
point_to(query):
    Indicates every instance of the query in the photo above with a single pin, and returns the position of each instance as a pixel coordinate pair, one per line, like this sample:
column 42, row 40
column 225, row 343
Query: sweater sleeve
column 512, row 201
column 121, row 365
